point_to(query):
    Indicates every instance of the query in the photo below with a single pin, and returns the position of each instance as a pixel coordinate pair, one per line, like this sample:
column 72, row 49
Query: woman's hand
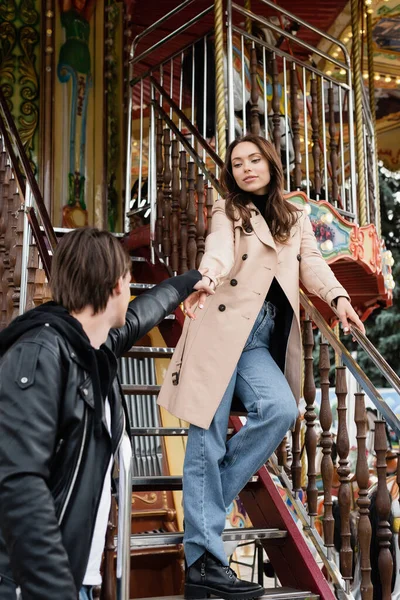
column 346, row 312
column 204, row 288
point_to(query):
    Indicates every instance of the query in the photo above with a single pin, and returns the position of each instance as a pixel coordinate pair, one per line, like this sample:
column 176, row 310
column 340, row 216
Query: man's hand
column 204, row 288
column 347, row 313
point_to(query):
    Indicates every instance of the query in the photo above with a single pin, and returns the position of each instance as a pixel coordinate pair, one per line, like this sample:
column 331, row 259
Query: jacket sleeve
column 31, row 389
column 219, row 252
column 315, row 272
column 147, row 310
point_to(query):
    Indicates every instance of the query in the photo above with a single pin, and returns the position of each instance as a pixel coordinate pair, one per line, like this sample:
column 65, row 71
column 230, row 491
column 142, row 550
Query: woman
column 244, row 340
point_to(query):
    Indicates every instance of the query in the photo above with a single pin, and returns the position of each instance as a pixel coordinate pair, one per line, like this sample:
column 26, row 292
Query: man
column 62, row 417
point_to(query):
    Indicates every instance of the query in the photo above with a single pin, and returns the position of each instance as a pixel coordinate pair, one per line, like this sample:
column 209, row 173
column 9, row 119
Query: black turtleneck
column 260, row 202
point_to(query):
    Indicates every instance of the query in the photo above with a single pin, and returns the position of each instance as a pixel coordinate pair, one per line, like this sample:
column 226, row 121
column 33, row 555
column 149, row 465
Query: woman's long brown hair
column 280, row 214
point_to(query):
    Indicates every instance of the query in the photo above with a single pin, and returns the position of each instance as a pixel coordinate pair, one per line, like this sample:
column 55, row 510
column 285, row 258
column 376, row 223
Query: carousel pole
column 219, row 77
column 356, row 57
column 247, row 5
column 371, row 85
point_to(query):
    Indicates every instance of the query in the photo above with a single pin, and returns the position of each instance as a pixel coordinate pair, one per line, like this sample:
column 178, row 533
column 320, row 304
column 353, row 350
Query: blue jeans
column 216, row 470
column 86, row 592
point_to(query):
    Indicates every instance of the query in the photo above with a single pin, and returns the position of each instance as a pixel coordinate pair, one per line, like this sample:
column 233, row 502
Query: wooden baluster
column 281, row 453
column 209, row 205
column 33, row 265
column 5, row 243
column 316, row 152
column 346, row 553
column 167, row 176
column 175, row 207
column 325, row 417
column 3, row 218
column 254, row 112
column 201, row 226
column 108, row 588
column 42, row 287
column 276, row 105
column 363, row 501
column 398, row 485
column 333, row 146
column 295, row 126
column 183, row 214
column 17, row 275
column 191, row 214
column 385, row 561
column 160, row 182
column 9, row 243
column 296, row 462
column 310, row 417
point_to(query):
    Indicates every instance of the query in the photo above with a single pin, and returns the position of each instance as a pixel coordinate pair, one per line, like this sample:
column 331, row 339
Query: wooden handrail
column 15, row 147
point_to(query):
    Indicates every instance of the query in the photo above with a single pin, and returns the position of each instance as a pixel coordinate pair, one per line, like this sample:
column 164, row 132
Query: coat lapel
column 261, row 228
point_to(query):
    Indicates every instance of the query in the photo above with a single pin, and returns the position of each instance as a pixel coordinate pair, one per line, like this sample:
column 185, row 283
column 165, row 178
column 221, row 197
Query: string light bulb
column 388, row 79
column 365, row 75
column 327, row 246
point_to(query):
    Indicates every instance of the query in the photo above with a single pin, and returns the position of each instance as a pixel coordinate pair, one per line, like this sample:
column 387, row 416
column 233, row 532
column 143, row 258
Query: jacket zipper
column 76, row 470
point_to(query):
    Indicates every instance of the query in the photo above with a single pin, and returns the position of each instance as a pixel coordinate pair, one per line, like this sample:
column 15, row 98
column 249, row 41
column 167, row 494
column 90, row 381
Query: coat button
column 299, row 257
column 222, row 307
column 245, row 256
column 234, row 282
column 249, row 229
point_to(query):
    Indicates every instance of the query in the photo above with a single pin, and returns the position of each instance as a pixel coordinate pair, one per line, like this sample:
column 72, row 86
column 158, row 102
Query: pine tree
column 383, row 326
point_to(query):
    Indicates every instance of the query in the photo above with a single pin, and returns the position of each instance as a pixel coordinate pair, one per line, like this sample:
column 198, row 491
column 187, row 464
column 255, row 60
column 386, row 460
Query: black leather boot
column 207, row 576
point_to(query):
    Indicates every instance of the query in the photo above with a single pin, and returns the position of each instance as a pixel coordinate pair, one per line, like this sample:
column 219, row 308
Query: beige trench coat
column 242, row 263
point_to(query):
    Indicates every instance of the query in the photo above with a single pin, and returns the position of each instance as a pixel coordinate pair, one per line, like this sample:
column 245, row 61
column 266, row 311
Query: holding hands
column 204, row 288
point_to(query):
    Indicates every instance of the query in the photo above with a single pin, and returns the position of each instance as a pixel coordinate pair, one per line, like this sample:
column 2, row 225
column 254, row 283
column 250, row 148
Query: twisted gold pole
column 247, row 5
column 371, row 85
column 219, row 77
column 356, row 57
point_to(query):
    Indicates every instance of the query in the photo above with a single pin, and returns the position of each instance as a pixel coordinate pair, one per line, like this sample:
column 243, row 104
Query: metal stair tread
column 270, row 594
column 164, row 482
column 140, row 540
column 164, row 431
column 143, row 389
column 150, row 351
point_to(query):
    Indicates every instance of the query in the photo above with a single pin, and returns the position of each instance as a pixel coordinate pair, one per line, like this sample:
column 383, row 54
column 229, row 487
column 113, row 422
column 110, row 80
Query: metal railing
column 304, row 110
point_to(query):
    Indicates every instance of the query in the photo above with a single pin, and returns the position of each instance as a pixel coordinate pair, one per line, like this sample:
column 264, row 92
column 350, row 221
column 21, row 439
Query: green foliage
column 383, row 326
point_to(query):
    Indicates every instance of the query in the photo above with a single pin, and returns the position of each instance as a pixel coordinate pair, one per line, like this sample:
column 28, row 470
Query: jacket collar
column 261, row 228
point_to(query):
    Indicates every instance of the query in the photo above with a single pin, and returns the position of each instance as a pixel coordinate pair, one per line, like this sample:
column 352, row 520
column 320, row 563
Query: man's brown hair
column 86, row 266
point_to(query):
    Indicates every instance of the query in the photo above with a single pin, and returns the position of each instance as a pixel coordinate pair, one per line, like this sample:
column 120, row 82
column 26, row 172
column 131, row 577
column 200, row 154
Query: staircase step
column 145, row 390
column 156, row 483
column 149, row 351
column 164, row 431
column 137, row 288
column 138, row 259
column 139, row 540
column 281, row 593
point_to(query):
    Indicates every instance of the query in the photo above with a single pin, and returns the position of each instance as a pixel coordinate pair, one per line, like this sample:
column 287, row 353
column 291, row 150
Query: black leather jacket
column 52, row 461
